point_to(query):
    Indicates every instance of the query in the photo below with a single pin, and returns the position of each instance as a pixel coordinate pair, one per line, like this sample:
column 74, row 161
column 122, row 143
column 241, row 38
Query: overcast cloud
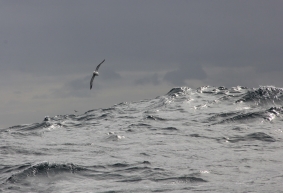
column 48, row 50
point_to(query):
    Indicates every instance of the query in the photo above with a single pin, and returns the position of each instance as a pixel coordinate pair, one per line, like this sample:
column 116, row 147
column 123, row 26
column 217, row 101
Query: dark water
column 212, row 139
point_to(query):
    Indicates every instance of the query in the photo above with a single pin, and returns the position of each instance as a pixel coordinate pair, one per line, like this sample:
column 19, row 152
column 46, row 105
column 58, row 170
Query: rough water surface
column 210, row 139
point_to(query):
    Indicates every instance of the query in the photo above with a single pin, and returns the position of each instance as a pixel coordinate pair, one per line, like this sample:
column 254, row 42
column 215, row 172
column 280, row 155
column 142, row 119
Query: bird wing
column 99, row 65
column 91, row 80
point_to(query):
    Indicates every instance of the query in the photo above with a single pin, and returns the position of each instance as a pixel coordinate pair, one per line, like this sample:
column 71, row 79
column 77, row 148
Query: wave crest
column 263, row 95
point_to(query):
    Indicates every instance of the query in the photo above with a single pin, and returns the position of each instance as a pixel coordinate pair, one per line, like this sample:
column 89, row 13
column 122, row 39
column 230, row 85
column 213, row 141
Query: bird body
column 95, row 73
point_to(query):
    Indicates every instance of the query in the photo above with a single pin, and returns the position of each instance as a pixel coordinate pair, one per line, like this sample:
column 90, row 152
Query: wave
column 42, row 176
column 38, row 177
column 182, row 179
column 258, row 136
column 178, row 91
column 43, row 170
column 176, row 100
column 153, row 141
column 263, row 95
column 243, row 117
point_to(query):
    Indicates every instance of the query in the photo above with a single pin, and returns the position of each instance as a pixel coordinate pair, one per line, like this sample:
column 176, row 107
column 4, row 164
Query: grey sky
column 48, row 50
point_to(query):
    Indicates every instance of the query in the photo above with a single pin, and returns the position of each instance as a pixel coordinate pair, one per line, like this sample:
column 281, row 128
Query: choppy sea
column 210, row 139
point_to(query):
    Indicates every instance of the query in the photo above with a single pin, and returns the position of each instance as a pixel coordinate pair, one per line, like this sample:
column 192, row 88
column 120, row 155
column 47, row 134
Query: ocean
column 209, row 139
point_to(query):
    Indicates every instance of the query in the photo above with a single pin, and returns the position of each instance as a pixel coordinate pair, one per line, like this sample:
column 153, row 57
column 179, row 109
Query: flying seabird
column 95, row 73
